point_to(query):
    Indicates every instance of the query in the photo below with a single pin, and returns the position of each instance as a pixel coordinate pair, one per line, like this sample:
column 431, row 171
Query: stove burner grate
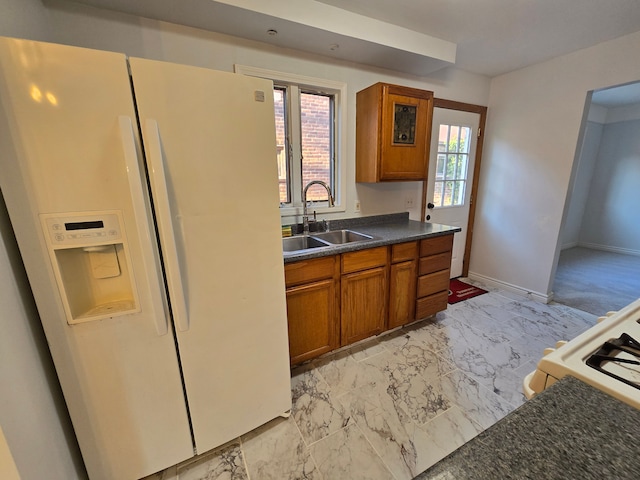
column 625, row 343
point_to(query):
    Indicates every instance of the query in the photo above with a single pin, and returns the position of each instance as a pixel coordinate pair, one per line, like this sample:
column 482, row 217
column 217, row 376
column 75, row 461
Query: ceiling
column 498, row 36
column 489, row 37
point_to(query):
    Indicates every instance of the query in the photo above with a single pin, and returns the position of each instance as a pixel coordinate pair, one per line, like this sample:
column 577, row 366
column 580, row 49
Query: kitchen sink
column 302, row 242
column 342, row 236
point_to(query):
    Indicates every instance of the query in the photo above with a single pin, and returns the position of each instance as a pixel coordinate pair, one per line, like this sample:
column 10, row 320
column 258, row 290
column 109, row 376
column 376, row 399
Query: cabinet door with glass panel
column 393, row 127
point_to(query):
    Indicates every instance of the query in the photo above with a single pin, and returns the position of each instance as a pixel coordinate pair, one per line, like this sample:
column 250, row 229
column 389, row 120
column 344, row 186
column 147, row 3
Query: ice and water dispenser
column 92, row 264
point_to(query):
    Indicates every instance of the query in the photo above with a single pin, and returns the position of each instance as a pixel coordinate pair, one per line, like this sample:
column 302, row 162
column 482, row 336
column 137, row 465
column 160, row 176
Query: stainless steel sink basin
column 302, row 242
column 342, row 236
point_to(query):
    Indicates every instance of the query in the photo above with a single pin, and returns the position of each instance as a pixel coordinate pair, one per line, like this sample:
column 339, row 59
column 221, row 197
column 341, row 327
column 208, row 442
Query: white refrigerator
column 144, row 198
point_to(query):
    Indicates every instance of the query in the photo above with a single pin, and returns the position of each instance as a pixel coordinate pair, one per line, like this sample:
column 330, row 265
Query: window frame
column 315, row 85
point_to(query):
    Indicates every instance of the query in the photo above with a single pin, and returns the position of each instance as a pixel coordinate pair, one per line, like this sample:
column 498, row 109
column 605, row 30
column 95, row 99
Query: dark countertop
column 569, row 431
column 386, row 230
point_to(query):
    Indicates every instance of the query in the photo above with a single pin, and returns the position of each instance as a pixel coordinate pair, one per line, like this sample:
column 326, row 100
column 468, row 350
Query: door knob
column 430, row 205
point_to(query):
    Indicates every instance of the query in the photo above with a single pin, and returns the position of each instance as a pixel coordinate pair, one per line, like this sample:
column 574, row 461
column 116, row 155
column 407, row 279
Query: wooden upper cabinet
column 393, row 133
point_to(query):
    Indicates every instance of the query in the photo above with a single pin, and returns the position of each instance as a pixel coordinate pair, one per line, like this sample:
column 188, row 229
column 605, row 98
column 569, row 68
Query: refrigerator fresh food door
column 71, row 182
column 209, row 139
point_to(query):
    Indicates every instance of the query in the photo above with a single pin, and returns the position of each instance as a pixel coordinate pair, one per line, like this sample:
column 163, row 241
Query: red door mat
column 459, row 291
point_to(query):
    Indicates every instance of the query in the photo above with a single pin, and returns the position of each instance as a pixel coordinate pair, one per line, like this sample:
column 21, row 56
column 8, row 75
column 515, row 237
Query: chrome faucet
column 305, row 215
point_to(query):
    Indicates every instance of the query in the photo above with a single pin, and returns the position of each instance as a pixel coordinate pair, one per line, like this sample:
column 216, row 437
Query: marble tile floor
column 390, row 407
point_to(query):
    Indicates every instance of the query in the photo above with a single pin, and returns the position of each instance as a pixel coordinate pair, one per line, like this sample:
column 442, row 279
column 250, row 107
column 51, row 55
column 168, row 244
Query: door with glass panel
column 450, row 179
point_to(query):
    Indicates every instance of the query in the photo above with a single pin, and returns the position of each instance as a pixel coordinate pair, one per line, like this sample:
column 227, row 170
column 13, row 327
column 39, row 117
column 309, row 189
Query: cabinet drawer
column 306, row 271
column 431, row 246
column 363, row 259
column 404, row 251
column 434, row 263
column 431, row 304
column 432, row 283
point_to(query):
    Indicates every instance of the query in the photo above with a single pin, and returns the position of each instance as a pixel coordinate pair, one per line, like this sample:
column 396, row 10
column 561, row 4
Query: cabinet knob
column 430, row 205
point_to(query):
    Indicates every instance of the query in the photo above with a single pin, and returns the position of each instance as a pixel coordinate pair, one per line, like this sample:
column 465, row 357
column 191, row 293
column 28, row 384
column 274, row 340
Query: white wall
column 611, row 215
column 533, row 124
column 586, row 163
column 24, row 19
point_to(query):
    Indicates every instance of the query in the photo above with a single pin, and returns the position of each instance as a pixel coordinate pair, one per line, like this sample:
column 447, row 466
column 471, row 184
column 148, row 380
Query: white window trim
column 330, row 86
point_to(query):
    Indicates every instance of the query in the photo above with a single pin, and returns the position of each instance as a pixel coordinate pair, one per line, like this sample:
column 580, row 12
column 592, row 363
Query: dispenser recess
column 91, row 261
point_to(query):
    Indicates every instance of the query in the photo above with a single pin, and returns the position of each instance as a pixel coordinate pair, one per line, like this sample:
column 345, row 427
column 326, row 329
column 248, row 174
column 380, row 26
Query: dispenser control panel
column 82, row 229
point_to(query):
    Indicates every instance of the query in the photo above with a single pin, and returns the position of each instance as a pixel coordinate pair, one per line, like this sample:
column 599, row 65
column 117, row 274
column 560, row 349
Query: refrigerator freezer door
column 61, row 150
column 213, row 134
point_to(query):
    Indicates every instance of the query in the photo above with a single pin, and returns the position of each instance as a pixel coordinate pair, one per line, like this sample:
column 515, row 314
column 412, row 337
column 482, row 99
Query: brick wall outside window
column 316, row 143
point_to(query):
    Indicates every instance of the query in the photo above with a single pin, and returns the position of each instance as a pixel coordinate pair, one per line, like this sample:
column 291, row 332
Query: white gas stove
column 607, row 357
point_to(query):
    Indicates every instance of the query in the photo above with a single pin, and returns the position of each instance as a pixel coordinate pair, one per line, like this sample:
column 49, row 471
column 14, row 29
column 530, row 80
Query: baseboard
column 609, row 248
column 569, row 245
column 537, row 296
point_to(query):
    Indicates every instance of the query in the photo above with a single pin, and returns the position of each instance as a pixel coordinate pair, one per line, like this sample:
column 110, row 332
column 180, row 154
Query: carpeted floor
column 596, row 281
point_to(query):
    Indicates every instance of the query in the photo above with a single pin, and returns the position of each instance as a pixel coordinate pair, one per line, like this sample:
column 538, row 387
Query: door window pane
column 451, row 166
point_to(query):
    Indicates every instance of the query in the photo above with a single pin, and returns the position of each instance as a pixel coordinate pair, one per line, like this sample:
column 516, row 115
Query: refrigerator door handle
column 140, row 212
column 165, row 224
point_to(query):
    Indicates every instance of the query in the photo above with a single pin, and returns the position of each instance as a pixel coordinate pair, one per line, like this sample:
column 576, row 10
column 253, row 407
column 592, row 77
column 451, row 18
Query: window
column 305, row 133
column 452, row 165
column 308, row 115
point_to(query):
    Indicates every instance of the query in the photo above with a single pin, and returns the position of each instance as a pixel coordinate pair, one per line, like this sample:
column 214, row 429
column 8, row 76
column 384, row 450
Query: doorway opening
column 598, row 267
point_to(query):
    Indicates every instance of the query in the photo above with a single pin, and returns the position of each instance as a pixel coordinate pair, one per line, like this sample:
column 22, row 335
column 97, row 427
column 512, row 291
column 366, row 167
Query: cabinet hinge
column 479, row 132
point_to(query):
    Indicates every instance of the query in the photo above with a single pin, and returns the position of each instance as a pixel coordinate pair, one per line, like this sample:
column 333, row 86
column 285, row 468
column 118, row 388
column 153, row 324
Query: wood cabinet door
column 402, row 293
column 406, row 131
column 312, row 314
column 393, row 131
column 363, row 304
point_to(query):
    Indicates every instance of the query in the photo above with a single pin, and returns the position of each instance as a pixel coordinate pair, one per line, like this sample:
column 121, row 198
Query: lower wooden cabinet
column 363, row 308
column 402, row 284
column 313, row 307
column 434, row 269
column 431, row 304
column 312, row 312
column 338, row 300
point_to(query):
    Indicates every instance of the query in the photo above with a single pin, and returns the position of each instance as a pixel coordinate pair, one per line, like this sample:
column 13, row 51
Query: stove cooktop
column 618, row 358
column 589, row 356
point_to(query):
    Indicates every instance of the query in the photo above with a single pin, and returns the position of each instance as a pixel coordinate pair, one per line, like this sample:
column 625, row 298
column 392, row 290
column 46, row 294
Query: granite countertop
column 386, row 230
column 569, row 431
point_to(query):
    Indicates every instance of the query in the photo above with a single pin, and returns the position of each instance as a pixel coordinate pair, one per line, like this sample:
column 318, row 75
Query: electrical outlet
column 357, row 206
column 409, row 203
